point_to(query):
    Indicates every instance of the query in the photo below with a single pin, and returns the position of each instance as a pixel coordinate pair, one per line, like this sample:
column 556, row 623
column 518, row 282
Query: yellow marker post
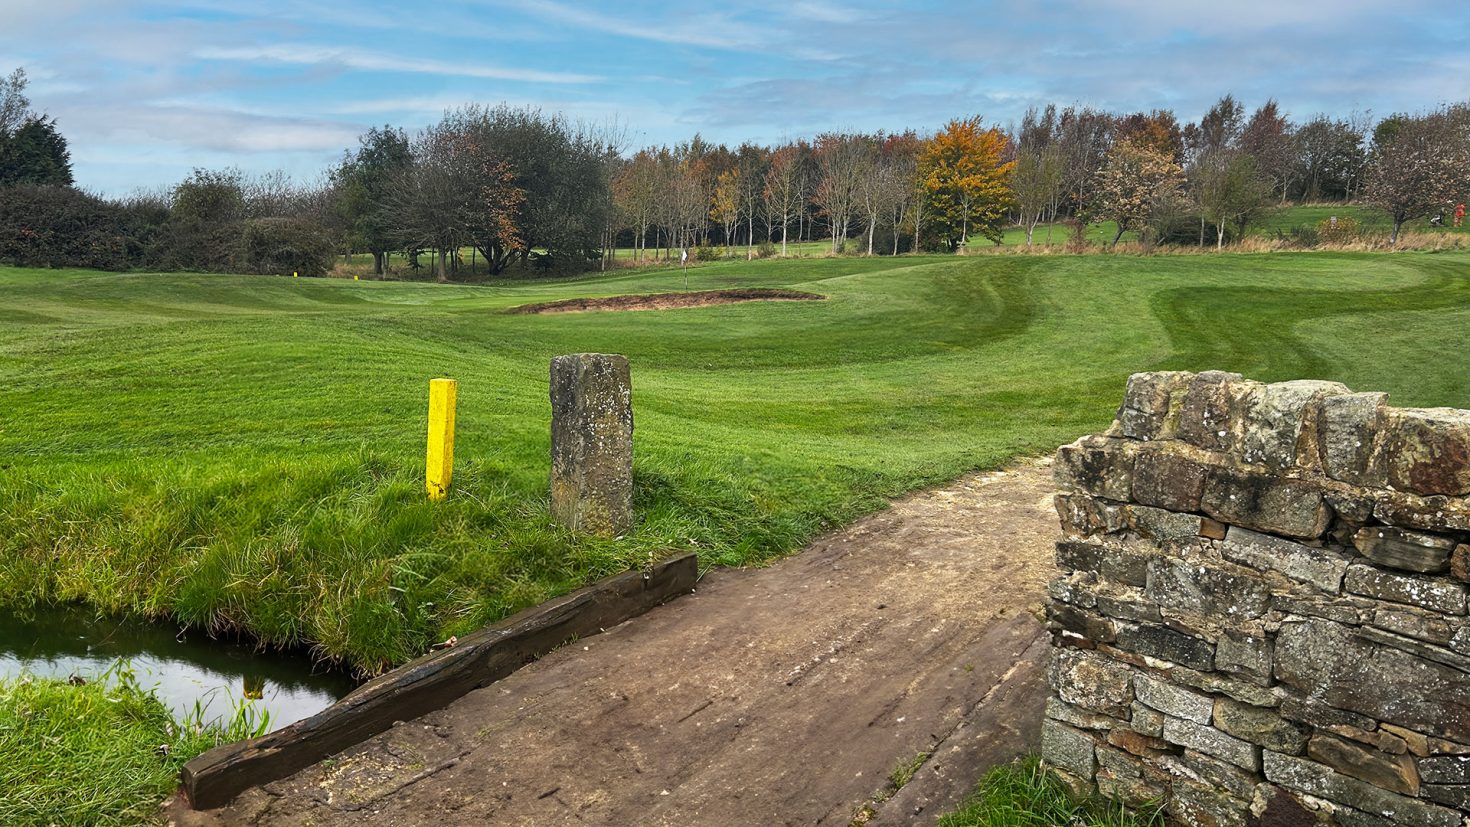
column 440, row 466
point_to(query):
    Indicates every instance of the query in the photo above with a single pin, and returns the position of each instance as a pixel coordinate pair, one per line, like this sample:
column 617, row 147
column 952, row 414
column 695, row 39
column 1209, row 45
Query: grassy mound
column 1026, row 794
column 247, row 452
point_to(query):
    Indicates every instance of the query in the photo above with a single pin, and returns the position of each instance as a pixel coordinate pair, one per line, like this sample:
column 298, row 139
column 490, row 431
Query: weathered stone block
column 1320, row 781
column 1347, row 431
column 1319, row 567
column 1078, row 717
column 1244, row 654
column 1438, row 513
column 1276, row 416
column 1167, row 528
column 1435, row 594
column 1218, row 684
column 1083, row 515
column 1110, row 562
column 1200, row 806
column 1403, row 549
column 1212, row 742
column 1092, row 681
column 1128, row 604
column 1136, row 743
column 1202, row 769
column 1205, row 415
column 1172, row 700
column 1163, row 643
column 1259, row 725
column 1078, row 589
column 1313, row 712
column 1207, row 590
column 1164, row 478
column 1427, row 626
column 1081, row 622
column 1416, row 743
column 1341, row 608
column 1146, row 410
column 1455, row 795
column 1097, row 465
column 1265, row 503
column 592, row 443
column 1447, row 769
column 1275, row 807
column 1460, row 563
column 1335, row 666
column 1427, row 450
column 1145, row 720
column 1390, row 772
column 1353, row 506
column 1068, row 748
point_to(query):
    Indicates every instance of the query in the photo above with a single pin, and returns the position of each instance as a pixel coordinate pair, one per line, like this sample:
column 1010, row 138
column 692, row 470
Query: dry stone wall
column 1261, row 615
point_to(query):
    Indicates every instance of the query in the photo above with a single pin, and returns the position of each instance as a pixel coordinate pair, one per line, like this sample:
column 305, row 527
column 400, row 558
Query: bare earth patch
column 783, row 695
column 670, row 301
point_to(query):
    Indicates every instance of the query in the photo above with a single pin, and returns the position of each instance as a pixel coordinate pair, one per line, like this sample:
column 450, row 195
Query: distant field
column 246, row 452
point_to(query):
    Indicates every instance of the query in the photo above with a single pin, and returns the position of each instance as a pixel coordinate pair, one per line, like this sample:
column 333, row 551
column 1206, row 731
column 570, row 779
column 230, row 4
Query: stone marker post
column 592, row 443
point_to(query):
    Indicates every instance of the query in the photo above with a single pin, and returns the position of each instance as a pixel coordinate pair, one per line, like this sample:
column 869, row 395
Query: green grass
column 99, row 754
column 247, row 452
column 1026, row 794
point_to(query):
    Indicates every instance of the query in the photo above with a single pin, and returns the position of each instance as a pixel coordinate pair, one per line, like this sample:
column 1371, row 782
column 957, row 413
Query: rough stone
column 1166, row 644
column 1390, row 772
column 1343, row 609
column 1164, row 527
column 1083, row 515
column 1447, row 769
column 1453, row 795
column 1315, row 779
column 1275, row 807
column 1135, row 743
column 1460, row 563
column 1202, row 769
column 1212, row 742
column 1147, row 404
column 1077, row 589
column 1082, row 622
column 1347, row 430
column 1315, row 713
column 1078, row 717
column 592, row 443
column 1146, row 720
column 1172, row 700
column 1265, row 503
column 1092, row 681
column 1275, row 416
column 1109, row 562
column 1434, row 594
column 1245, row 654
column 1416, row 624
column 1319, row 567
column 1403, row 549
column 1438, row 513
column 1205, row 414
column 1353, row 506
column 1201, row 806
column 1215, row 683
column 1097, row 465
column 1258, row 725
column 1427, row 450
column 1128, row 604
column 1123, row 778
column 1068, row 748
column 1165, row 479
column 1414, row 742
column 1335, row 666
column 1207, row 590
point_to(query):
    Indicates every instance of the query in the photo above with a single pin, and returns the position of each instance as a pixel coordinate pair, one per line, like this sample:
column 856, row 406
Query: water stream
column 182, row 668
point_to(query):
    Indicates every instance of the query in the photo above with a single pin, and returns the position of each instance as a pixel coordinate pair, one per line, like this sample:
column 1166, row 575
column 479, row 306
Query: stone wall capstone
column 1261, row 612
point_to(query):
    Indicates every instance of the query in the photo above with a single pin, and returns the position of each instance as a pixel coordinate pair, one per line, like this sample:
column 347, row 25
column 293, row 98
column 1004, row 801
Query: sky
column 146, row 91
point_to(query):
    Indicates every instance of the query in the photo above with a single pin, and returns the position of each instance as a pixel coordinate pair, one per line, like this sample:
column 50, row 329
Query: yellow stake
column 440, row 468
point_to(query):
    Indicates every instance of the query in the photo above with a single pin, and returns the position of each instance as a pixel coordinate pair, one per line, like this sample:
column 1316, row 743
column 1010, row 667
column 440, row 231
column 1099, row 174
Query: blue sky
column 145, row 91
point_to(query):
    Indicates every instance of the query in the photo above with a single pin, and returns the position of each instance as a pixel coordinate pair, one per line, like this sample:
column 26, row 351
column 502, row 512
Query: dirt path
column 784, row 695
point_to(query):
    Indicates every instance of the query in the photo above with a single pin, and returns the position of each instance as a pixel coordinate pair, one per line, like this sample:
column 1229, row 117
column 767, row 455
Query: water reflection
column 181, row 668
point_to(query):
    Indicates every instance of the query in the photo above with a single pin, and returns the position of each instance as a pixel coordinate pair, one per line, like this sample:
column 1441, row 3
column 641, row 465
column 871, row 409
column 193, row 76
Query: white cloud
column 314, row 55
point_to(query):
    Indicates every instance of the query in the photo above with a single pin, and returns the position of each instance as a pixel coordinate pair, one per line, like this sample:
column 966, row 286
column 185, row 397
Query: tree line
column 500, row 190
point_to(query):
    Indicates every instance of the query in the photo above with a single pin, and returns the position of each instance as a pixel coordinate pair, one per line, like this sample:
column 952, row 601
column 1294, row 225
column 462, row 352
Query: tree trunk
column 785, row 222
column 1219, row 236
column 872, row 225
column 1119, row 234
column 1393, row 237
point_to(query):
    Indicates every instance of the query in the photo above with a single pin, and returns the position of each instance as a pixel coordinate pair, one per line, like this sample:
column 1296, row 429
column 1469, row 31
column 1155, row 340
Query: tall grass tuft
column 1027, row 794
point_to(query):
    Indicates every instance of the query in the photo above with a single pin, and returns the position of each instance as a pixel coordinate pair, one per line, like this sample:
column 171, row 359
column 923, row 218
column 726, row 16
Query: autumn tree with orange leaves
column 965, row 181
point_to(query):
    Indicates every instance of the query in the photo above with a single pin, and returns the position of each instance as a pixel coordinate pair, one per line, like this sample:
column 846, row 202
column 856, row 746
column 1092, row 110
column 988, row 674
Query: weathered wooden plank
column 432, row 681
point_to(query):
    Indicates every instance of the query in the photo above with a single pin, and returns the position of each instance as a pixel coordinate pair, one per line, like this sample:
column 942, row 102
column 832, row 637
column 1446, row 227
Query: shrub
column 1341, row 231
column 282, row 246
column 766, row 250
column 54, row 226
column 706, row 252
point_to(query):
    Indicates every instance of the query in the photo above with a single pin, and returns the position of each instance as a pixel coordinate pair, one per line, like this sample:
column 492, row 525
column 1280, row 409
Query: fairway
column 247, row 452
